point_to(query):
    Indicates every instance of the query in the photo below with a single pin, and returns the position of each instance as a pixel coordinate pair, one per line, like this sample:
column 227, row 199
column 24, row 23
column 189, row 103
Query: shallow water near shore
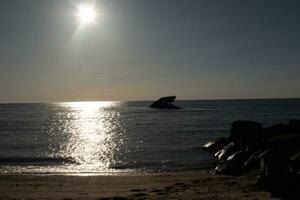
column 105, row 137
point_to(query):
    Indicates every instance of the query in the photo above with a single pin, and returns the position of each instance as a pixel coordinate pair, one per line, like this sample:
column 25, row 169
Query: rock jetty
column 274, row 150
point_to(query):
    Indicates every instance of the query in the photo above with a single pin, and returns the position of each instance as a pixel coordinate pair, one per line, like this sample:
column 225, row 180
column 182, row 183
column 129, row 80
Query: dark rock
column 282, row 152
column 233, row 164
column 277, row 129
column 245, row 132
column 295, row 125
column 227, row 150
column 287, row 143
column 237, row 156
column 165, row 103
column 276, row 150
column 294, row 163
column 253, row 162
column 281, row 185
column 222, row 167
column 216, row 146
column 276, row 176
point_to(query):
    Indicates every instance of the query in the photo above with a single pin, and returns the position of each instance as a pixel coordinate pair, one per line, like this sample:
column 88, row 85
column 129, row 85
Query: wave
column 37, row 161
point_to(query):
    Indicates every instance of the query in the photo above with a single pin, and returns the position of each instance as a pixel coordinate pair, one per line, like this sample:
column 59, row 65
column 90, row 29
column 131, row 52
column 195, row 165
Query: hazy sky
column 143, row 49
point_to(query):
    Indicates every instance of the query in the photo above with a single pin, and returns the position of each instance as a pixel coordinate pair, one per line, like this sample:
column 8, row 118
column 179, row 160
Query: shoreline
column 169, row 185
column 112, row 172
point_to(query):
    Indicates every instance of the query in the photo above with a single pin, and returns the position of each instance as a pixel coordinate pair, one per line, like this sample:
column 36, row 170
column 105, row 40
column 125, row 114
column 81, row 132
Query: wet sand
column 175, row 185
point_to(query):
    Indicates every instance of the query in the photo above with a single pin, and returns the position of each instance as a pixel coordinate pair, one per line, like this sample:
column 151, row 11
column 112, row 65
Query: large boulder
column 287, row 143
column 226, row 151
column 295, row 125
column 276, row 150
column 253, row 161
column 232, row 165
column 276, row 176
column 276, row 129
column 294, row 163
column 280, row 166
column 245, row 132
column 215, row 146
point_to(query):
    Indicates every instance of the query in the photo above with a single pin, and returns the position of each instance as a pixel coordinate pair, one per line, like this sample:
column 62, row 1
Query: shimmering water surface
column 116, row 137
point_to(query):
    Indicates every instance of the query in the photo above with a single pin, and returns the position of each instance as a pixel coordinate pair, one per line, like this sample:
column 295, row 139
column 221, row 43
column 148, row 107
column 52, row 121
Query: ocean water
column 123, row 137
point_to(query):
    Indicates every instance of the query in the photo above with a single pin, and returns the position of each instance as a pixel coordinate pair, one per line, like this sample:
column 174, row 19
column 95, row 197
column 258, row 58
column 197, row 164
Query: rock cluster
column 275, row 150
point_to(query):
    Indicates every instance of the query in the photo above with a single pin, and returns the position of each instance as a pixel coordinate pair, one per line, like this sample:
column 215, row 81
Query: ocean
column 110, row 137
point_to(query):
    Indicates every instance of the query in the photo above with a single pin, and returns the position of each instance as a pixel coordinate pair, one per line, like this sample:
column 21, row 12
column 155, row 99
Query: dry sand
column 179, row 185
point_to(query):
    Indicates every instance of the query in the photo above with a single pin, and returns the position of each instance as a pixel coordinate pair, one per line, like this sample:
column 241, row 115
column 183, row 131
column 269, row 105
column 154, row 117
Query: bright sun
column 86, row 13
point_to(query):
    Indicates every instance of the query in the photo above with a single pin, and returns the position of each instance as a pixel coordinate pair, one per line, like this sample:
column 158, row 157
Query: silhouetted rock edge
column 274, row 150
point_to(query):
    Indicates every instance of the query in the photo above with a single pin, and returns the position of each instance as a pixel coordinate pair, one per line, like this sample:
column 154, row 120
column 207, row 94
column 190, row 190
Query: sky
column 144, row 49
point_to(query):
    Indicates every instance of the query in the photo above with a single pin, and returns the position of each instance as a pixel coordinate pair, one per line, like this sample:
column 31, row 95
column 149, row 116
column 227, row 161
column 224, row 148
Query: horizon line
column 201, row 99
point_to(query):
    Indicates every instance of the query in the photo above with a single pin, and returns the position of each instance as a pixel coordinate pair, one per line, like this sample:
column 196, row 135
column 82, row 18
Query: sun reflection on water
column 91, row 140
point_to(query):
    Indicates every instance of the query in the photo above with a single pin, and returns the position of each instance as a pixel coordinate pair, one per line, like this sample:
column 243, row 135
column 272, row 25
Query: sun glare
column 86, row 13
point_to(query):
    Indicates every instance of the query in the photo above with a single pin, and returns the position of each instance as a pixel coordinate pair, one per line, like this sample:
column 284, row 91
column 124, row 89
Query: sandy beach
column 175, row 185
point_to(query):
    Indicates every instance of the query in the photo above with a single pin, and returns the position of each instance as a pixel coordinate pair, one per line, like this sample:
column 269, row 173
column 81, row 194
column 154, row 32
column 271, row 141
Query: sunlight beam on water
column 90, row 136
